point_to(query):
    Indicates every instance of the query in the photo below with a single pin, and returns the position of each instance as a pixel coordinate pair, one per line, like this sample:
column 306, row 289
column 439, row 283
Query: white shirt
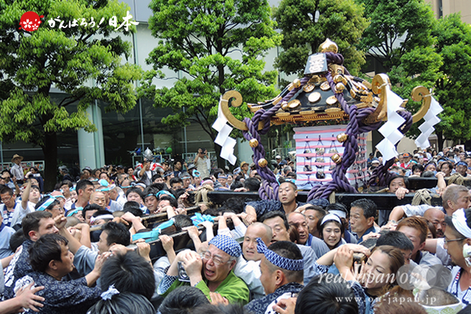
column 249, row 272
column 17, row 171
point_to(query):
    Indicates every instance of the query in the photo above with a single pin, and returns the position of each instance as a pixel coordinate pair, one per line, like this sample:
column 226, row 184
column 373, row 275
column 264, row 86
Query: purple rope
column 339, row 179
column 269, row 188
column 355, row 126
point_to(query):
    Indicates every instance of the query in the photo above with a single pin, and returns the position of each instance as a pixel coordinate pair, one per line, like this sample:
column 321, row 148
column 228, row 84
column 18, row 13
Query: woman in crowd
column 376, row 276
column 331, row 231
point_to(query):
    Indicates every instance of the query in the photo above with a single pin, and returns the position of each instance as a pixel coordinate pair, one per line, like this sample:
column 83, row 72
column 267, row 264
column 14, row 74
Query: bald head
column 437, row 218
column 299, row 221
column 263, row 230
column 98, row 198
column 249, row 246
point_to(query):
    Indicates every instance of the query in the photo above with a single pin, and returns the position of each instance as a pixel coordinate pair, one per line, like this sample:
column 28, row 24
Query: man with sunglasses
column 211, row 272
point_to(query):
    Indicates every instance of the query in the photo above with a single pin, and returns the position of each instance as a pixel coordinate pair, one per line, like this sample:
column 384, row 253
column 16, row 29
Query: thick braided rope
column 354, row 128
column 269, row 187
column 339, row 180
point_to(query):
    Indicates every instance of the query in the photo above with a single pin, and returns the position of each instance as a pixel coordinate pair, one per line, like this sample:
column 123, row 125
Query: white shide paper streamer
column 430, row 119
column 223, row 139
column 390, row 129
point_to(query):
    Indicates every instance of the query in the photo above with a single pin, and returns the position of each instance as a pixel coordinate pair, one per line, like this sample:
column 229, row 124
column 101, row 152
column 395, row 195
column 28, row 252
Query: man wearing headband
column 461, row 167
column 125, row 186
column 282, row 275
column 362, row 218
column 457, row 244
column 110, row 204
column 211, row 273
column 186, row 179
column 50, row 204
column 279, row 225
column 222, row 179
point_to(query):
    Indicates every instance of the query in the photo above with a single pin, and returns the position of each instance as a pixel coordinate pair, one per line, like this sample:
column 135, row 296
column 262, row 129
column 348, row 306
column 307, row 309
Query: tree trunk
column 440, row 140
column 50, row 158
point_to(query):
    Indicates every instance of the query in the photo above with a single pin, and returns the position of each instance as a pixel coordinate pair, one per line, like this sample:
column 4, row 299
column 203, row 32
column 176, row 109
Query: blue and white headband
column 105, row 216
column 331, row 217
column 163, row 192
column 226, row 244
column 277, row 260
column 74, row 211
column 46, row 204
column 71, row 213
column 460, row 223
column 56, row 196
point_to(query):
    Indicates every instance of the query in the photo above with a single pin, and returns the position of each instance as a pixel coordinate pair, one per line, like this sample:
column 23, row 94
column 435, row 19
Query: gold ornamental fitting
column 332, row 100
column 263, row 162
column 308, row 87
column 342, row 137
column 314, row 80
column 314, row 97
column 339, row 87
column 253, row 143
column 336, row 158
column 338, row 78
column 297, row 83
column 328, row 46
column 294, row 104
column 325, row 86
column 284, row 105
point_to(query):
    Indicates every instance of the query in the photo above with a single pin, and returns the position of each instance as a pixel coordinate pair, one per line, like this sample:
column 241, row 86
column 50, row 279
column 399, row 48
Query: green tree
column 305, row 24
column 216, row 46
column 397, row 27
column 453, row 87
column 31, row 63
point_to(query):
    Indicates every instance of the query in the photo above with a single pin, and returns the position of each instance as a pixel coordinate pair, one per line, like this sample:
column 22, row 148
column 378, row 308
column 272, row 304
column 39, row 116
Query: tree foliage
column 452, row 89
column 217, row 45
column 419, row 50
column 397, row 27
column 32, row 63
column 305, row 24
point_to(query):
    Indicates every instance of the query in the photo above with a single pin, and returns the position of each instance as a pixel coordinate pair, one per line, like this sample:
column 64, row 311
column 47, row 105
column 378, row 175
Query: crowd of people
column 84, row 246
